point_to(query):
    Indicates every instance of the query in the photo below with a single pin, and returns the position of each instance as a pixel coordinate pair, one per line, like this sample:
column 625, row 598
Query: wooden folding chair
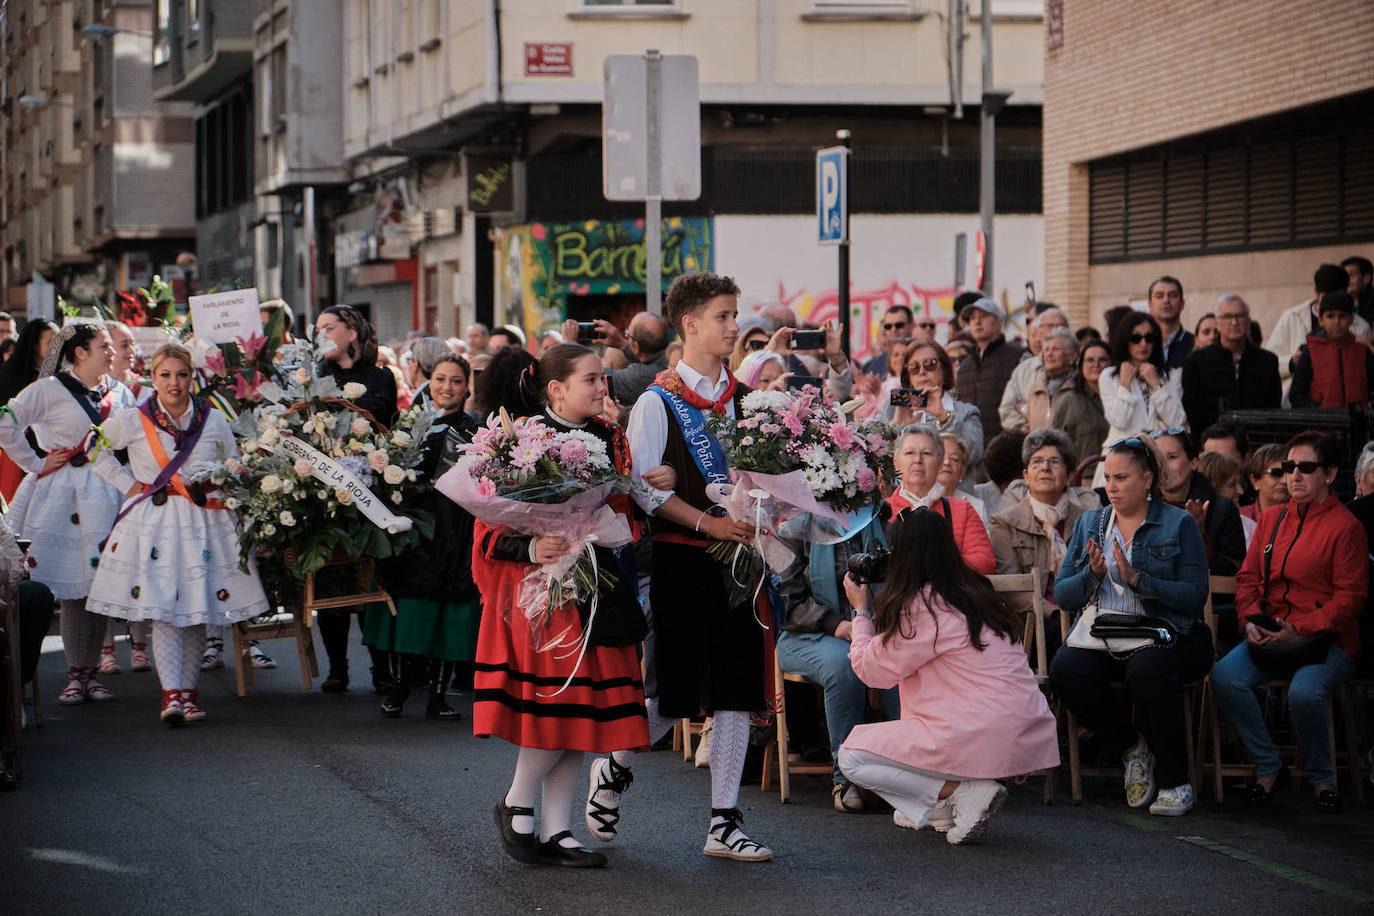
column 285, row 624
column 788, row 763
column 1037, row 655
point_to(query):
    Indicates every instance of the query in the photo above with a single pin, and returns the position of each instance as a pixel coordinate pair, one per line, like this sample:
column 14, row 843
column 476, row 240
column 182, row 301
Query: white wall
column 894, row 259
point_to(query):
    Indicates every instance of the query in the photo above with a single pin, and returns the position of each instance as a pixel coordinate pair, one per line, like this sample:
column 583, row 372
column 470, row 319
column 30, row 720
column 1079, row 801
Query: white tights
column 911, row 791
column 557, row 773
column 82, row 633
column 729, row 745
column 176, row 654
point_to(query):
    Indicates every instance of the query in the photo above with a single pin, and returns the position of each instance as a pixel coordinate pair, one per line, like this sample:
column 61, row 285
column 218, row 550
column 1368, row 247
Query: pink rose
column 303, row 468
column 377, row 460
column 360, row 426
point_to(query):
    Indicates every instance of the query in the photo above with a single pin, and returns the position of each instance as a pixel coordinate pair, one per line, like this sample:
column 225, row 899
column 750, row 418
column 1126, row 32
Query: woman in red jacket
column 1307, row 573
column 918, row 458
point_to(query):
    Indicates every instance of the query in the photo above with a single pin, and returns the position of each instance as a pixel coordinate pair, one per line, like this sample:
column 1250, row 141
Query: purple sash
column 186, row 440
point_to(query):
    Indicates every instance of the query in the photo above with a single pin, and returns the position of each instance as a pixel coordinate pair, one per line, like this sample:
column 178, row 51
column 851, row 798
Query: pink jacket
column 977, row 715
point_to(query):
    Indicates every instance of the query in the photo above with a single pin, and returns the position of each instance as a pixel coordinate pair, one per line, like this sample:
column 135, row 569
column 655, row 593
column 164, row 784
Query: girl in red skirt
column 524, row 695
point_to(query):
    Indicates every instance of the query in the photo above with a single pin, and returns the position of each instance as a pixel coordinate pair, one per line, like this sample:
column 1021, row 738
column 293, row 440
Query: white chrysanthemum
column 766, row 400
column 818, row 456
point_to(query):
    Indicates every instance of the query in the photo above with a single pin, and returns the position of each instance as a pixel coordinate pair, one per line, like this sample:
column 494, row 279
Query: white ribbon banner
column 340, row 478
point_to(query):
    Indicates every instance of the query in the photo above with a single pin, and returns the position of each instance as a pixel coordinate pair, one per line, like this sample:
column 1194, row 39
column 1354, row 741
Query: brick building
column 1225, row 144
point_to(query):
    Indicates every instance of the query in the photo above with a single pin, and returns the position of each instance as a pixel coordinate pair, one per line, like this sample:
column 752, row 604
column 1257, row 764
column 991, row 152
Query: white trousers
column 911, row 791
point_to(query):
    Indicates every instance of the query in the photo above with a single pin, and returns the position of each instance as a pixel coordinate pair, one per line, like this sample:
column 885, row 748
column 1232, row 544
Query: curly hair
column 690, row 292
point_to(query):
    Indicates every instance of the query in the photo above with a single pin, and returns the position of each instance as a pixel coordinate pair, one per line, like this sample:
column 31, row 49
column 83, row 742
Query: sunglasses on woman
column 929, row 365
column 1275, row 472
column 1307, row 467
column 1151, row 337
column 756, row 344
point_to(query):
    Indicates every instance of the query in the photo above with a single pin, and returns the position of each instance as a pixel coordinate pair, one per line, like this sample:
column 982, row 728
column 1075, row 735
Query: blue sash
column 705, row 449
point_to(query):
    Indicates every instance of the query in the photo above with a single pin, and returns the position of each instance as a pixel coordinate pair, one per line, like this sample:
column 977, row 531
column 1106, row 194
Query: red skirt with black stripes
column 519, row 692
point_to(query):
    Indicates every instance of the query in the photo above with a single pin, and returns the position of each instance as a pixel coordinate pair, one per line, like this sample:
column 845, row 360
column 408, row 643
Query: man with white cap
column 983, row 374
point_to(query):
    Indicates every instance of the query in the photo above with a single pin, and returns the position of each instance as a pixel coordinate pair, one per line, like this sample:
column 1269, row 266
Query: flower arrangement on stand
column 319, row 477
column 526, row 476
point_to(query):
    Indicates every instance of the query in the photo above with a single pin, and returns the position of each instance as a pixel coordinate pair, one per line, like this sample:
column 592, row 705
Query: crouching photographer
column 971, row 711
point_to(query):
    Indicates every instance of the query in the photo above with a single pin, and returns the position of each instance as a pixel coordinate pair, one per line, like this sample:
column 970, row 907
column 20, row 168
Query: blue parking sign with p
column 832, row 207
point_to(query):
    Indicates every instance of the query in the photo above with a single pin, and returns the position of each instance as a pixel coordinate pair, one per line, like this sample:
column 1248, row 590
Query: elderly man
column 1291, row 330
column 479, row 336
column 1165, row 297
column 1231, row 374
column 1016, row 396
column 983, row 374
column 647, row 348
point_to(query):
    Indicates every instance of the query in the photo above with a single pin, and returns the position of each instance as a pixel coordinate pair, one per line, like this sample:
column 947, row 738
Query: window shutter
column 1145, row 206
column 1357, row 195
column 1106, row 210
column 1271, row 192
column 1225, row 182
column 1183, row 205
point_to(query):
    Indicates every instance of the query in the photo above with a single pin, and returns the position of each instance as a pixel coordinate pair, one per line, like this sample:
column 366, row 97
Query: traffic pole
column 653, row 197
column 843, row 287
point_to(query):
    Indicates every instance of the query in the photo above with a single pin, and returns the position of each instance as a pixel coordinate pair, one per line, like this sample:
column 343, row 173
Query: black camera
column 587, row 333
column 808, row 340
column 870, row 567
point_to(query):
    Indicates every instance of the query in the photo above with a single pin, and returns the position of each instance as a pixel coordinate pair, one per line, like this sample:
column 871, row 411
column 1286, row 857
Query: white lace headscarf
column 59, row 340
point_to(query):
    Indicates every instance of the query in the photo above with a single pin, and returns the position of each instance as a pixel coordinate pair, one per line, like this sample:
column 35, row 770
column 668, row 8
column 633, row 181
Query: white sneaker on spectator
column 974, row 801
column 213, row 659
column 1140, row 775
column 1174, row 802
column 940, row 819
column 260, row 659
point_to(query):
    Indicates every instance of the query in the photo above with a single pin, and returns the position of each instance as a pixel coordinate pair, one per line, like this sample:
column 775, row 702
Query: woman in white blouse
column 173, row 556
column 62, row 507
column 1139, row 393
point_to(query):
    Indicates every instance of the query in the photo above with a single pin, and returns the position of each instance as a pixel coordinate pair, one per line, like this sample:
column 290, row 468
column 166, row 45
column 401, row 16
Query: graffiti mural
column 540, row 265
column 867, row 306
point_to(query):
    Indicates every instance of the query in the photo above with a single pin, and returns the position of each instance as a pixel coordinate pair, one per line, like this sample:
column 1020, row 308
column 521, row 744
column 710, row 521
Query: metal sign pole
column 843, row 289
column 653, row 197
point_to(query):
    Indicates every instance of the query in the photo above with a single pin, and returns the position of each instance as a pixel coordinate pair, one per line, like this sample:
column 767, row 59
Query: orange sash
column 160, row 455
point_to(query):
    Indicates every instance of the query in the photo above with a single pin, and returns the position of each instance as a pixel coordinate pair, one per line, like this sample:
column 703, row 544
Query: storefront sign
column 491, row 188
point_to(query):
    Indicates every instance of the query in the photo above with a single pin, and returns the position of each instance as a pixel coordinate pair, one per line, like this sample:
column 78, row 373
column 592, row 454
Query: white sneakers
column 1140, row 775
column 1174, row 802
column 974, row 801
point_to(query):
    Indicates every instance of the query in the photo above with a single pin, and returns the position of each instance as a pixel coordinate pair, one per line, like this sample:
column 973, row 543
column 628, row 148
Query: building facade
column 1225, row 145
column 89, row 154
column 473, row 132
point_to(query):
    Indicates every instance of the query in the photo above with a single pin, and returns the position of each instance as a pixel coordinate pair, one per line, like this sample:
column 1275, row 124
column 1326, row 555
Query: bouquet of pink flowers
column 524, row 475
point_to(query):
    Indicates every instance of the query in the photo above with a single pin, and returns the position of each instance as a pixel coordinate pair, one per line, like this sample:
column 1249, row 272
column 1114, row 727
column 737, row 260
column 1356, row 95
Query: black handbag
column 1282, row 658
column 1133, row 626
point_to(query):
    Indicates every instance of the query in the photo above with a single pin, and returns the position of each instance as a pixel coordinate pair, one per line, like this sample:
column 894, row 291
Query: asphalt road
column 296, row 802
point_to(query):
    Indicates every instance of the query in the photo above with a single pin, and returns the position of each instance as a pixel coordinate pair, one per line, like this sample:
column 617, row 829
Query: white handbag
column 1081, row 636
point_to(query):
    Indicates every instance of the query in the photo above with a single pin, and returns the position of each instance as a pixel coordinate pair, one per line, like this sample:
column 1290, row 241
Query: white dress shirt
column 648, row 431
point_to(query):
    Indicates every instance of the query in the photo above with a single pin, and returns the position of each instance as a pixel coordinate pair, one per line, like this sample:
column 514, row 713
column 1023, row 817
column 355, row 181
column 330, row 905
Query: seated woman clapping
column 971, row 712
column 1137, row 556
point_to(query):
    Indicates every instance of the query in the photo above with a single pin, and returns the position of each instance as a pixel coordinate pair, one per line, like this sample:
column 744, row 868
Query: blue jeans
column 1234, row 680
column 825, row 660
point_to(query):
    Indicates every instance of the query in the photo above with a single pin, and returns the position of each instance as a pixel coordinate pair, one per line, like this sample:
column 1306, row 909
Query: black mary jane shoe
column 1258, row 796
column 522, row 847
column 552, row 852
column 395, row 699
column 1329, row 802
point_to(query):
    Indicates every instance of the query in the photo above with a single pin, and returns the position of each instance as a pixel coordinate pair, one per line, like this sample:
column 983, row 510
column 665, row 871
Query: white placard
column 225, row 317
column 149, row 339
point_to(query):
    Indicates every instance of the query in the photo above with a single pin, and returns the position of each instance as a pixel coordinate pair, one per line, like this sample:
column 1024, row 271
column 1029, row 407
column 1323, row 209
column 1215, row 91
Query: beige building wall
column 1129, row 75
column 399, row 79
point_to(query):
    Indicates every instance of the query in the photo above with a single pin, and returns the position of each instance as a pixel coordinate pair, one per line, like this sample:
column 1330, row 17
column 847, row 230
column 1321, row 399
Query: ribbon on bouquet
column 606, row 526
column 747, row 505
column 339, row 477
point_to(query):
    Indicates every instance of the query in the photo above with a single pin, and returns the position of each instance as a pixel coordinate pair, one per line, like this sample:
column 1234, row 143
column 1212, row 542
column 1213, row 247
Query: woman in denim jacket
column 1154, row 563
